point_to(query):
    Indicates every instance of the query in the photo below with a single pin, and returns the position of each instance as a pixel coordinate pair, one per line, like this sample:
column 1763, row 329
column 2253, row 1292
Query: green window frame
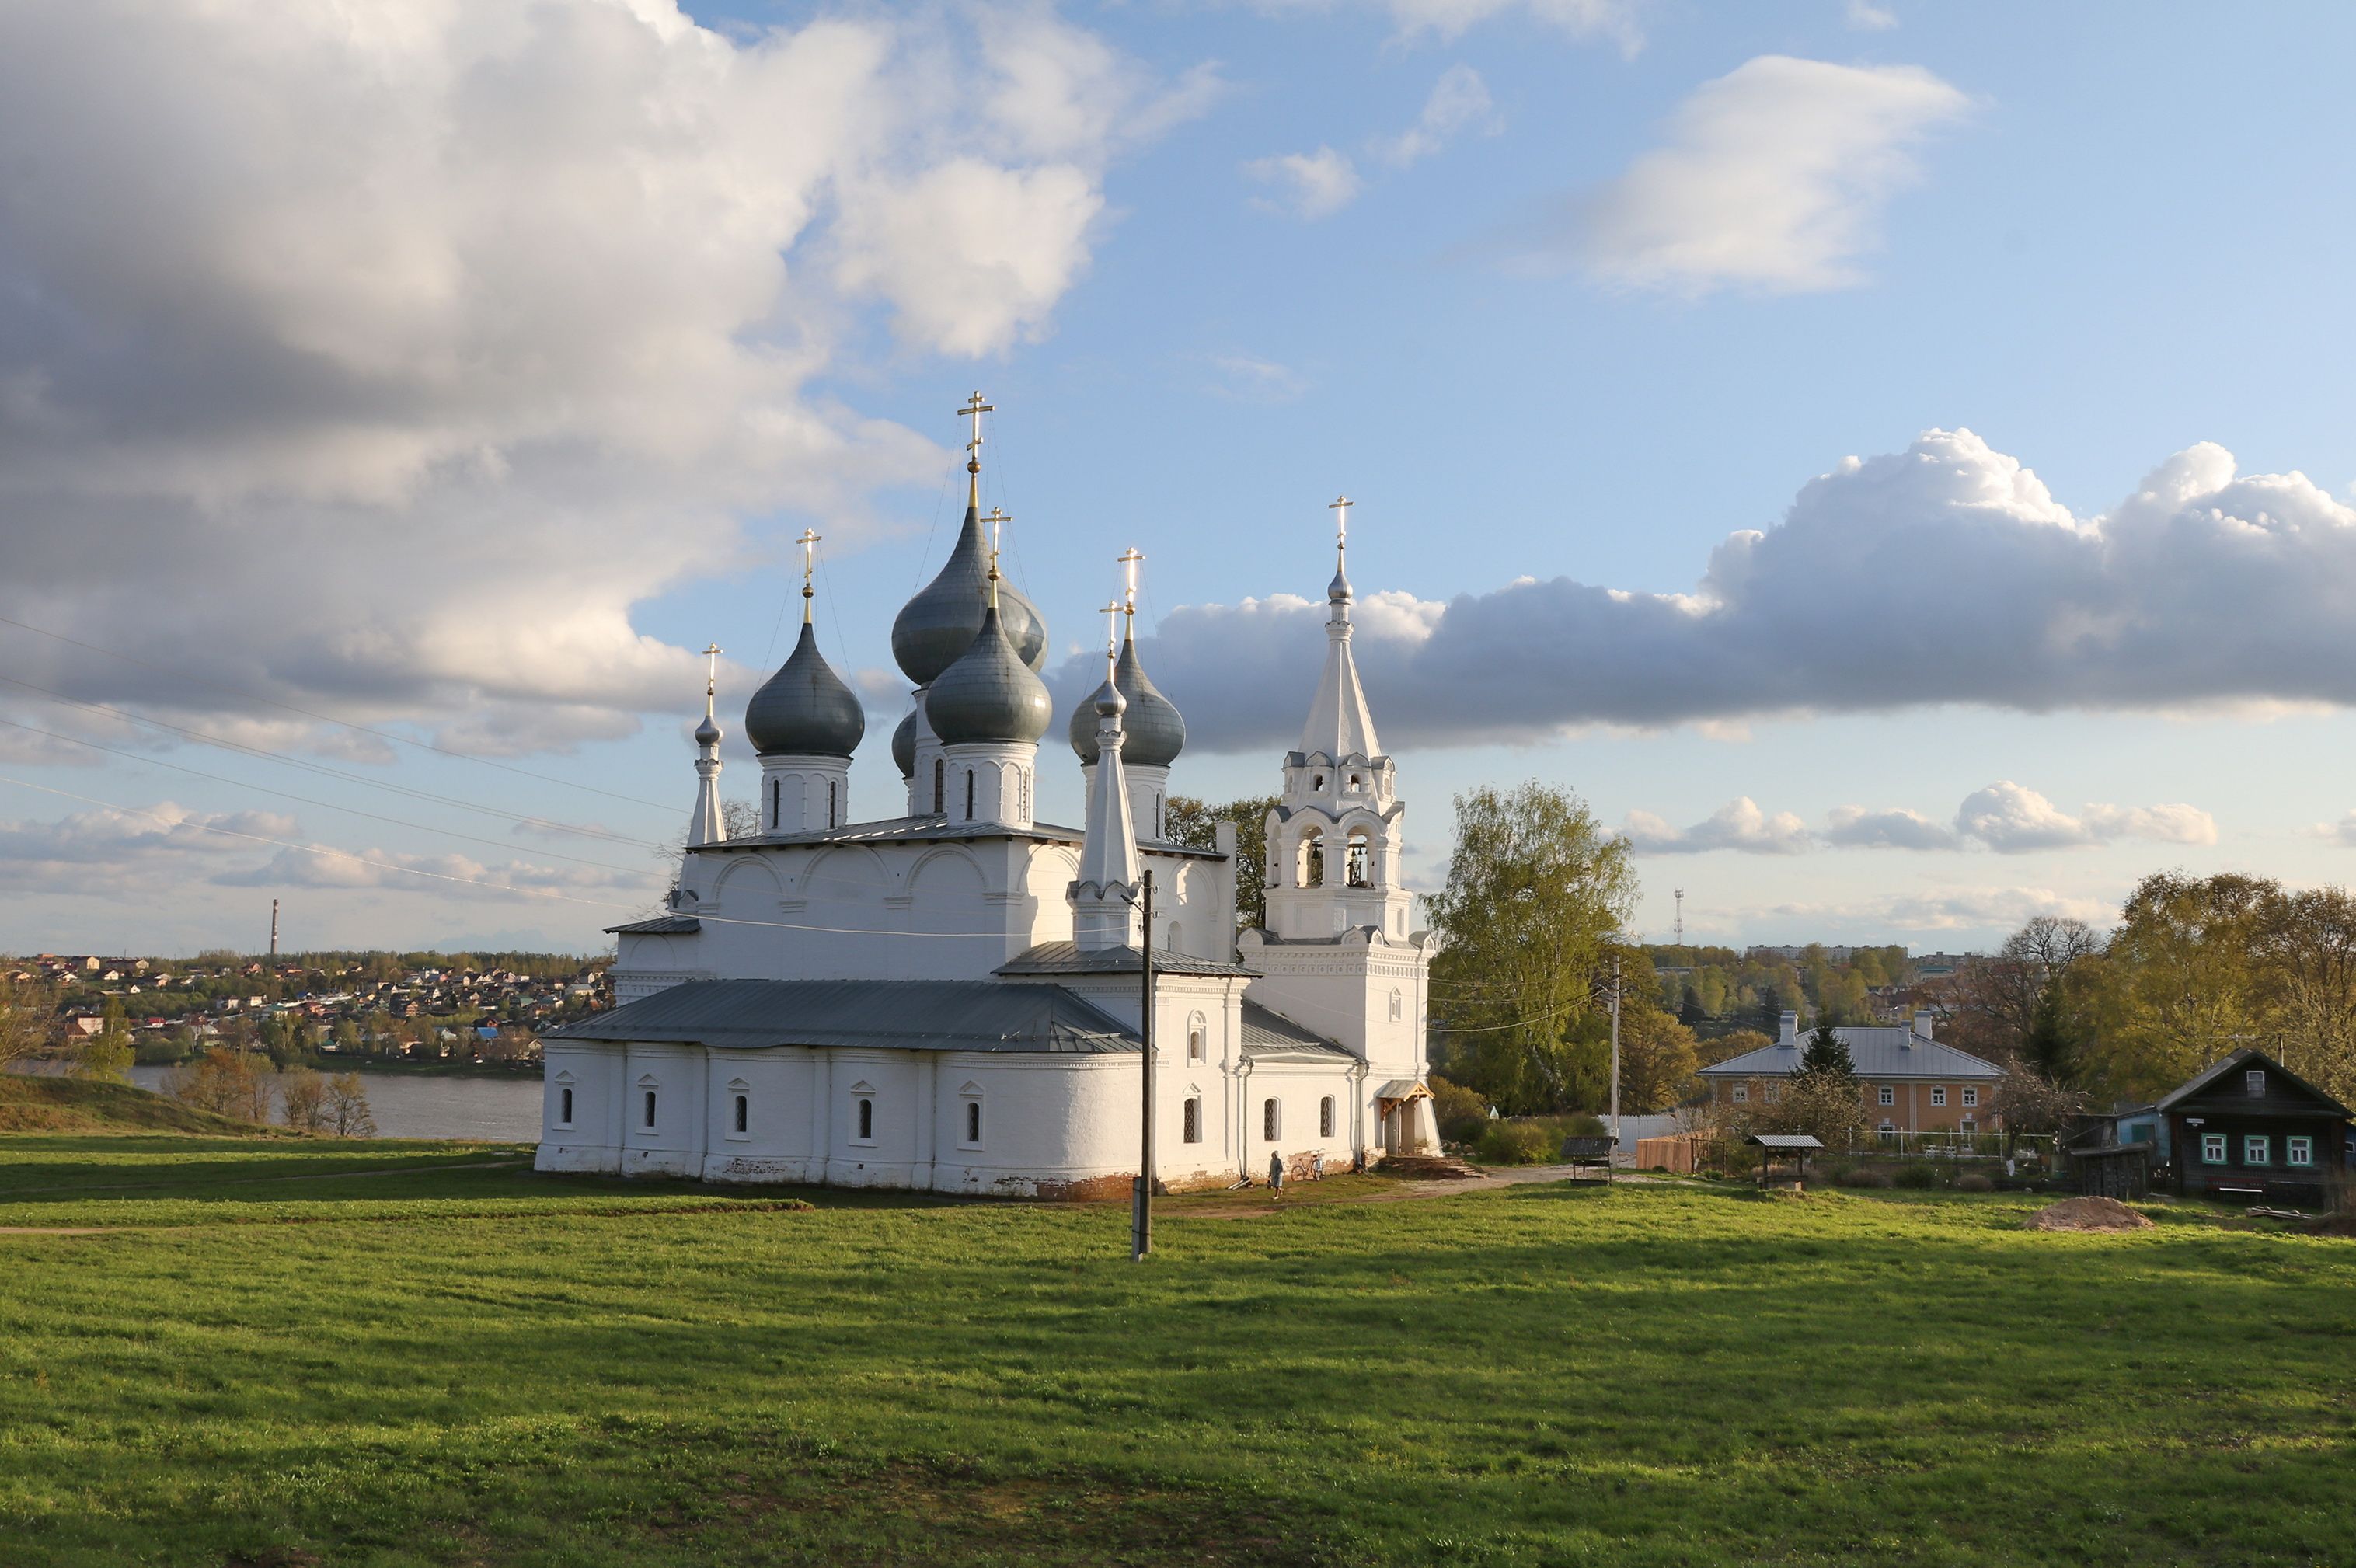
column 2258, row 1149
column 2299, row 1150
column 2213, row 1148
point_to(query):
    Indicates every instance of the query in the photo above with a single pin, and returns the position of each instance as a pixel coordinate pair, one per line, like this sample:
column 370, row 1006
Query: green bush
column 1915, row 1176
column 1974, row 1182
column 1462, row 1115
column 1518, row 1143
column 1861, row 1175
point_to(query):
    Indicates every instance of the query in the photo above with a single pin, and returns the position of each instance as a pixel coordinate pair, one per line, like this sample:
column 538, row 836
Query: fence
column 2021, row 1148
column 1678, row 1152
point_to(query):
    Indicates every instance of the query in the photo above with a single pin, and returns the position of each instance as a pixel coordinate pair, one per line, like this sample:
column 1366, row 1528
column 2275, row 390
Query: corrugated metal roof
column 931, row 829
column 1070, row 958
column 1785, row 1140
column 2242, row 1057
column 891, row 1014
column 1270, row 1036
column 658, row 925
column 1876, row 1051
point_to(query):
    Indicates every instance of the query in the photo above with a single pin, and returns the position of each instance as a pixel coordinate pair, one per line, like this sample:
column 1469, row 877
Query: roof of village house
column 2237, row 1061
column 890, row 1014
column 1875, row 1050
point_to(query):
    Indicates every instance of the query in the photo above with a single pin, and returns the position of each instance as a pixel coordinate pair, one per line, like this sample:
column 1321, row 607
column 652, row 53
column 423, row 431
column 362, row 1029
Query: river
column 505, row 1110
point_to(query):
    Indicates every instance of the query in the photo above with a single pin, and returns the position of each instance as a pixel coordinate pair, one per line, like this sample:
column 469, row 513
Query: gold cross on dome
column 809, row 541
column 1129, row 561
column 1339, row 506
column 711, row 677
column 974, row 409
column 1112, row 635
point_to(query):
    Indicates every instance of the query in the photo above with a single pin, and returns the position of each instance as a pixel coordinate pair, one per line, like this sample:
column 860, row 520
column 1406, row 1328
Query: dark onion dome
column 804, row 710
column 934, row 629
column 707, row 734
column 989, row 694
column 1154, row 733
column 903, row 746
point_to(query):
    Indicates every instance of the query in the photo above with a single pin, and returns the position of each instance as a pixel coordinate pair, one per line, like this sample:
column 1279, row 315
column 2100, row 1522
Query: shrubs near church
column 234, row 1084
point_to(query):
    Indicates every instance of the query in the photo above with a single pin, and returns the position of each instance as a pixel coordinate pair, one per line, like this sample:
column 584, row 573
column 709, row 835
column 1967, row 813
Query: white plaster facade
column 1305, row 1039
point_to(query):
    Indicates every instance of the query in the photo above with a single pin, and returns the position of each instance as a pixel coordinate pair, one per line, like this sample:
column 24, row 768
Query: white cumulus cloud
column 1307, row 185
column 369, row 322
column 1460, row 102
column 1738, row 825
column 1770, row 178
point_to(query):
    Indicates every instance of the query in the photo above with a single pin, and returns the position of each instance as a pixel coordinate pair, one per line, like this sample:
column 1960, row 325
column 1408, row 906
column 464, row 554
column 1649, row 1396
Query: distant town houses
column 363, row 1004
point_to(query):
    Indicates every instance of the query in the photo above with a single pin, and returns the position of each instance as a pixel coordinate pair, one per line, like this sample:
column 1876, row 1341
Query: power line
column 325, row 718
column 306, row 800
column 322, row 769
column 326, row 852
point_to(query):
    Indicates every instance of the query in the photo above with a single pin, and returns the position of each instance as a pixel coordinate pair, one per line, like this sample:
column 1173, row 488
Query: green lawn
column 279, row 1357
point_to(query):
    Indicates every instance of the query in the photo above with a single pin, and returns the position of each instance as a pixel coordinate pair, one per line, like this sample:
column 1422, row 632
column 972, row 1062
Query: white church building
column 951, row 997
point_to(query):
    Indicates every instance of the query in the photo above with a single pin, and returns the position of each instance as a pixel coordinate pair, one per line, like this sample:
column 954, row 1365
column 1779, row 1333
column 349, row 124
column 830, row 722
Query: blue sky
column 575, row 410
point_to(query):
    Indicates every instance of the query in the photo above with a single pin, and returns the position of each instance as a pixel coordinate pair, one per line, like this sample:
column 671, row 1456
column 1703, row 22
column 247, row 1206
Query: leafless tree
column 25, row 1021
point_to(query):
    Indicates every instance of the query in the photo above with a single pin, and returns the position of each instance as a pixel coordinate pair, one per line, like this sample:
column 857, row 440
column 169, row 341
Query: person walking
column 1276, row 1174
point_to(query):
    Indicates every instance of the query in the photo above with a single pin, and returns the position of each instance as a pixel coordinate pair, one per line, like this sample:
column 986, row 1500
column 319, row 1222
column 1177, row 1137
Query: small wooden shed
column 1795, row 1146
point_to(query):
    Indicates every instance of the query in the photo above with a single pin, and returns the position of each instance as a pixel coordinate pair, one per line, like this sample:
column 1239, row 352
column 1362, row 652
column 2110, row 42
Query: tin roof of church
column 658, row 925
column 891, row 1014
column 927, row 830
column 1070, row 958
column 1270, row 1036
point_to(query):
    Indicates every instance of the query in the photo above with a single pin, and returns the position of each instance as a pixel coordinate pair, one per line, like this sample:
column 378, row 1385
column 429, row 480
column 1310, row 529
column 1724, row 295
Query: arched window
column 650, row 1108
column 1173, row 944
column 1271, row 1120
column 973, row 1121
column 1325, row 1115
column 1198, row 1043
column 866, row 1120
column 744, row 1113
column 776, row 802
column 1357, row 864
column 564, row 1107
column 1311, row 862
column 1318, row 782
column 829, row 802
column 969, row 794
column 940, row 786
column 1192, row 1133
column 1399, row 1004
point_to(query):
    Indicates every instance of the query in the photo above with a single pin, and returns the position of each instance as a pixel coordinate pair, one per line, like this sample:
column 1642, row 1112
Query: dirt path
column 55, row 1230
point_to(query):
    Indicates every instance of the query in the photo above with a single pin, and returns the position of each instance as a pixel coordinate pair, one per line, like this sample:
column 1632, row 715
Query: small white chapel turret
column 1103, row 895
column 705, row 824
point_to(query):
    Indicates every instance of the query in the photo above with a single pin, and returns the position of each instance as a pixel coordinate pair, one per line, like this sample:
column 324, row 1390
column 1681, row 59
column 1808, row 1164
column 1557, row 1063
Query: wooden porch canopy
column 1399, row 1090
column 1796, row 1146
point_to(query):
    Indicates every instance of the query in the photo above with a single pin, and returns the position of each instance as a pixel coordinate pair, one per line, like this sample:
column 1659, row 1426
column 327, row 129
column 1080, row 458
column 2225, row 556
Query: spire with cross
column 710, row 678
column 1128, row 560
column 974, row 409
column 997, row 520
column 1339, row 506
column 809, row 541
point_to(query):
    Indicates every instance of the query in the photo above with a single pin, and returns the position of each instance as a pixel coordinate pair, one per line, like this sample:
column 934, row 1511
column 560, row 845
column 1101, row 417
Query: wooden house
column 2248, row 1127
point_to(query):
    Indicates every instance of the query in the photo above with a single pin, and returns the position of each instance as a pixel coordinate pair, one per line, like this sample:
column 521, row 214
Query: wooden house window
column 1741, row 1095
column 2254, row 1082
column 2213, row 1148
column 2258, row 1149
column 2298, row 1151
column 1771, row 1092
column 1939, row 1096
column 1971, row 1098
column 1888, row 1096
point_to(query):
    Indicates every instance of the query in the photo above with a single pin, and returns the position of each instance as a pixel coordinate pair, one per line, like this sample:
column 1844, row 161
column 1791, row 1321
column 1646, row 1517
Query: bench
column 1580, row 1152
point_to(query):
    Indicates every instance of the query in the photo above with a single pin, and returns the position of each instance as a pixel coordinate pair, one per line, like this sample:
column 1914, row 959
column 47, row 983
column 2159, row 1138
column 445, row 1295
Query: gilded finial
column 1129, row 561
column 1113, row 613
column 710, row 678
column 809, row 541
column 997, row 520
column 974, row 409
column 1339, row 506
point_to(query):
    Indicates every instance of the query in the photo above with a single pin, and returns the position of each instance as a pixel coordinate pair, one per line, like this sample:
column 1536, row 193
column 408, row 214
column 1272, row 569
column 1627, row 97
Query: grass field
column 80, row 1105
column 387, row 1353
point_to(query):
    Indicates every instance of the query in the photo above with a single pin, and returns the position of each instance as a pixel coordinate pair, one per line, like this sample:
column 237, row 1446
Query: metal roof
column 891, row 1014
column 1070, row 958
column 1784, row 1140
column 658, row 925
column 902, row 830
column 1875, row 1050
column 1270, row 1036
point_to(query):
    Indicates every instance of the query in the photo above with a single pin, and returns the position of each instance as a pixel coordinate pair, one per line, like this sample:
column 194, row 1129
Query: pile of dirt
column 2088, row 1214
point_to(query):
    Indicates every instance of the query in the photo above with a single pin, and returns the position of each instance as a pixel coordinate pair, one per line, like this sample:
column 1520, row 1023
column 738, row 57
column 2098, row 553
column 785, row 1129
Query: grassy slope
column 77, row 1105
column 477, row 1365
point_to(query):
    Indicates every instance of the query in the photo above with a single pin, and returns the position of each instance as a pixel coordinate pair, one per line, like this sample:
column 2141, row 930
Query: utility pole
column 1615, row 1053
column 1681, row 920
column 1140, row 1238
column 274, row 928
